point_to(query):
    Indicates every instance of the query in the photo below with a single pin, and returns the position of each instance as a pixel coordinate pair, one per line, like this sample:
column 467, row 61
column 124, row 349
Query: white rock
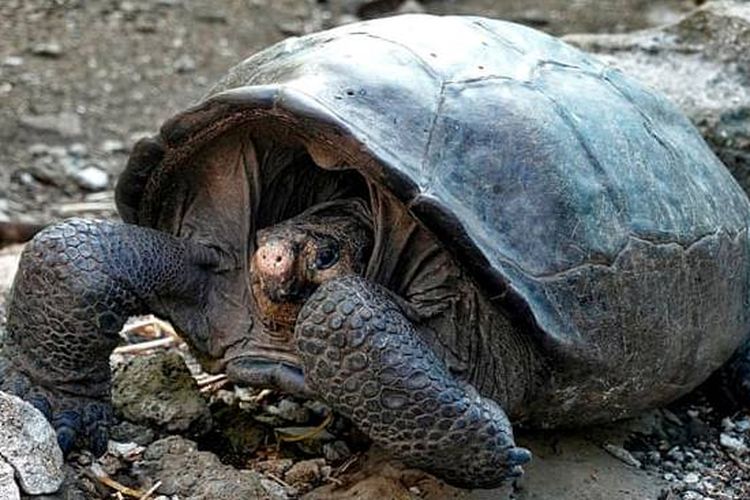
column 732, row 443
column 692, row 495
column 727, row 424
column 48, row 49
column 691, row 478
column 92, row 178
column 29, row 444
column 184, row 64
column 742, row 425
column 13, row 61
column 113, row 146
column 8, row 486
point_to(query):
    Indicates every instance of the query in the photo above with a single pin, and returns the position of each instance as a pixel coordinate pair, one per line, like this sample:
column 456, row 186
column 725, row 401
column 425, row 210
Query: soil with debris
column 81, row 81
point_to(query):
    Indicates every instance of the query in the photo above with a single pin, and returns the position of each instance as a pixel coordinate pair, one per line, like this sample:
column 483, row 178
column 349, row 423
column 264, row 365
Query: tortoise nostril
column 278, row 258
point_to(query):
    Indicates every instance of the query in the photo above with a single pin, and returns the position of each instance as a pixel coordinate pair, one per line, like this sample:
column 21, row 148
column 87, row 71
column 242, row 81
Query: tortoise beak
column 275, row 265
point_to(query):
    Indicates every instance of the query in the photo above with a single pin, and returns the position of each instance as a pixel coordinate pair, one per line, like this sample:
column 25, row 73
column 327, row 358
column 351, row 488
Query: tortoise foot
column 365, row 358
column 80, row 422
column 77, row 284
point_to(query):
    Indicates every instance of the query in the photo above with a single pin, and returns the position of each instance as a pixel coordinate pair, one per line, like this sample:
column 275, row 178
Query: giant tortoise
column 436, row 225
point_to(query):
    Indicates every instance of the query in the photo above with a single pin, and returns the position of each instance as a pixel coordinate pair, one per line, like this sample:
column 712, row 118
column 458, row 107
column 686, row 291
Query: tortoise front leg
column 77, row 284
column 365, row 359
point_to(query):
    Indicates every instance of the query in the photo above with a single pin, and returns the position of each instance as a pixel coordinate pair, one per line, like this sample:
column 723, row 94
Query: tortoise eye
column 327, row 257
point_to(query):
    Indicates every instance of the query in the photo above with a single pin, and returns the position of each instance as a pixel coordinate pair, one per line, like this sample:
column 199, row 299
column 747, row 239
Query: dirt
column 81, row 81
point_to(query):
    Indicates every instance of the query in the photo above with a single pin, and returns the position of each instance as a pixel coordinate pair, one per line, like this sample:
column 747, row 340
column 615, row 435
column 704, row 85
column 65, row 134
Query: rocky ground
column 80, row 82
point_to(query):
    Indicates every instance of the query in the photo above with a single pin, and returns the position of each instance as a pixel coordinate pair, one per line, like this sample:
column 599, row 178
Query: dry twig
column 145, row 346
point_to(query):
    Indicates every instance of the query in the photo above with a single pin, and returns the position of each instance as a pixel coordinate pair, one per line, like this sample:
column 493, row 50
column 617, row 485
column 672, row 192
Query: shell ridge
column 632, row 238
column 430, row 135
column 422, row 61
column 601, row 173
column 512, row 46
column 648, row 122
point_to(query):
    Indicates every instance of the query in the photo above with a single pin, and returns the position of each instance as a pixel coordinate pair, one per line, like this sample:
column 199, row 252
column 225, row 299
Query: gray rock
column 742, row 425
column 622, row 454
column 64, row 124
column 127, row 431
column 78, row 150
column 188, row 473
column 289, row 410
column 184, row 64
column 336, row 451
column 159, row 391
column 306, row 472
column 91, row 178
column 38, row 149
column 732, row 443
column 700, row 63
column 29, row 444
column 8, row 487
column 47, row 49
column 691, row 478
column 692, row 495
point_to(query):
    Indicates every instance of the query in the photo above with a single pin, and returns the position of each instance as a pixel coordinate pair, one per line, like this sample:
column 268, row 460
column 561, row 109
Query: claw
column 98, row 439
column 518, row 456
column 66, row 438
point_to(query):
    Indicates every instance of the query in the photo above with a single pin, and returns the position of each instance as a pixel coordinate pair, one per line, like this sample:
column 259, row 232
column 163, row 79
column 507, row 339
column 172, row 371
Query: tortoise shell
column 585, row 205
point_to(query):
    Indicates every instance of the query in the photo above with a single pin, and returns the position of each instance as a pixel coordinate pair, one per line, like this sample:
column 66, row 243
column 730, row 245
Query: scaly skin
column 365, row 358
column 77, row 284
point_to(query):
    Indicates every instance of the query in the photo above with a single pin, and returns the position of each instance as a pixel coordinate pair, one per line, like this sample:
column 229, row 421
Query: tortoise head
column 291, row 260
column 296, row 256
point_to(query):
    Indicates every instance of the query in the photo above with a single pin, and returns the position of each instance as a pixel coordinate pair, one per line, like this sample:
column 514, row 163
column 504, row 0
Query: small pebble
column 127, row 451
column 78, row 149
column 732, row 443
column 622, row 454
column 289, row 410
column 38, row 149
column 306, row 471
column 742, row 425
column 691, row 478
column 49, row 49
column 336, row 451
column 13, row 61
column 727, row 424
column 184, row 64
column 676, row 455
column 92, row 178
column 692, row 495
column 278, row 467
column 113, row 146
